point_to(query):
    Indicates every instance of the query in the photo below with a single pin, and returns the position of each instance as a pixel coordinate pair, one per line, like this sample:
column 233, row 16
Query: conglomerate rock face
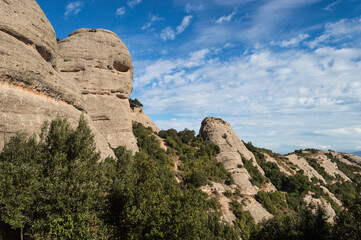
column 24, row 20
column 220, row 133
column 92, row 75
column 100, row 65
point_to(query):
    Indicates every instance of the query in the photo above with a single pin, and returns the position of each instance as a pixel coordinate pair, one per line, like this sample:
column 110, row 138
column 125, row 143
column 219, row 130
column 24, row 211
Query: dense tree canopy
column 54, row 186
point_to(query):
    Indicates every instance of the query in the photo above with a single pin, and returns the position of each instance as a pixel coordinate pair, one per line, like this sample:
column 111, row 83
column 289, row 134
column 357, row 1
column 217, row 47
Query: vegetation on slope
column 55, row 187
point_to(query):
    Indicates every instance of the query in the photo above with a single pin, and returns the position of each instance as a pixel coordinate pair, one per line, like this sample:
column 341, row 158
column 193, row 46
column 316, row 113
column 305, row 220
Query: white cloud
column 184, row 24
column 120, row 11
column 152, row 20
column 73, row 8
column 227, row 18
column 294, row 41
column 179, row 123
column 358, row 148
column 330, row 6
column 190, row 7
column 167, row 34
column 300, row 95
column 133, row 3
column 271, row 13
column 345, row 30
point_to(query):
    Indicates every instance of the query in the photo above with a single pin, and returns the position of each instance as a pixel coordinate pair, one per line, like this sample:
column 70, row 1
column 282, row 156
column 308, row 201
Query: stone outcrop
column 100, row 65
column 220, row 133
column 314, row 203
column 23, row 110
column 302, row 164
column 255, row 208
column 138, row 115
column 89, row 72
column 24, row 20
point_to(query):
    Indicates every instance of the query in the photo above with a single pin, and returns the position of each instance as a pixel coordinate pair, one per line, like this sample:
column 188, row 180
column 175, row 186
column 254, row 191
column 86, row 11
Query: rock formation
column 218, row 132
column 314, row 203
column 138, row 115
column 232, row 149
column 100, row 65
column 89, row 72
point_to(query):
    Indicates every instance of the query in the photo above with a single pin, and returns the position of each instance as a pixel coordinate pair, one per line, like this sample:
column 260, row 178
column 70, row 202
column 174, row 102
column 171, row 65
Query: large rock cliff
column 100, row 65
column 89, row 72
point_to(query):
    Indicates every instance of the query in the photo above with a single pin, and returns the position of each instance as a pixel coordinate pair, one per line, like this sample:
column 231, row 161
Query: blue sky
column 286, row 74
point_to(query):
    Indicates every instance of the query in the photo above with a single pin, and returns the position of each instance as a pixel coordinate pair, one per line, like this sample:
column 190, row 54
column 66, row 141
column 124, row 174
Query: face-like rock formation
column 90, row 72
column 98, row 61
column 100, row 65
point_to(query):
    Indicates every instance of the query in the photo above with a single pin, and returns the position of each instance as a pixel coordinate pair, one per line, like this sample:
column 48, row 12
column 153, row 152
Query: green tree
column 55, row 177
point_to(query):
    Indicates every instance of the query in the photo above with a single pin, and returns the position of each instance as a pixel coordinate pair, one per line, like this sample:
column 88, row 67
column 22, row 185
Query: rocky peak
column 216, row 131
column 99, row 62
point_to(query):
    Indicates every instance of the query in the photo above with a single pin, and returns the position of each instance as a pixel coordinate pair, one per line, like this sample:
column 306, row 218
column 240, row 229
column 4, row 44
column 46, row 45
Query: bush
column 135, row 103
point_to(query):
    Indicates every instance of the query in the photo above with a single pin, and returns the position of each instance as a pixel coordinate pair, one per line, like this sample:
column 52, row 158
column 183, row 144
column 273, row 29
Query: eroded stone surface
column 99, row 64
column 22, row 66
column 218, row 132
column 97, row 61
column 24, row 20
column 302, row 164
column 255, row 208
column 23, row 110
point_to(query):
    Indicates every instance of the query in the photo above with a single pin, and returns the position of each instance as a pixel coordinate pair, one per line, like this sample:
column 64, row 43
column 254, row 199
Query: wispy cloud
column 133, row 3
column 345, row 30
column 120, row 11
column 152, row 20
column 270, row 14
column 167, row 34
column 73, row 8
column 227, row 18
column 294, row 41
column 330, row 6
column 184, row 24
column 192, row 7
column 292, row 92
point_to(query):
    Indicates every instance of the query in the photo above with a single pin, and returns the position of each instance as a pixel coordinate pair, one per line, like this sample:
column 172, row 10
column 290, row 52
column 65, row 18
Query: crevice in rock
column 100, row 118
column 120, row 67
column 72, row 70
column 43, row 53
column 41, row 50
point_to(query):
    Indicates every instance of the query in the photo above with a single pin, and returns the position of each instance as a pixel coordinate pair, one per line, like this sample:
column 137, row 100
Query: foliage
column 135, row 103
column 348, row 223
column 42, row 181
column 274, row 202
column 198, row 158
column 244, row 223
column 256, row 176
column 300, row 226
column 321, row 170
column 146, row 202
